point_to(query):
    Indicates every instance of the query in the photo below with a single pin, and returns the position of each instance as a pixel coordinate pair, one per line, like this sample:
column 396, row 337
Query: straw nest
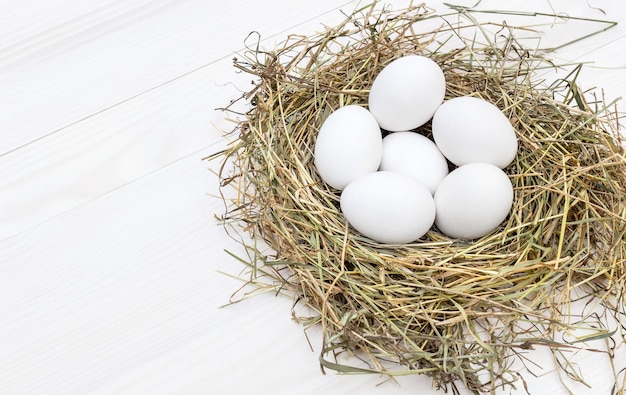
column 454, row 310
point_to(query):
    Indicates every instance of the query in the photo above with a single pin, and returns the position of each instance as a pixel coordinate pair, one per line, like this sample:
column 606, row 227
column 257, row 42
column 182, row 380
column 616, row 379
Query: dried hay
column 454, row 310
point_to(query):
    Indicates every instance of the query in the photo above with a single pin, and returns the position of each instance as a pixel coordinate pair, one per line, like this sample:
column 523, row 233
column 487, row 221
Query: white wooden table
column 110, row 257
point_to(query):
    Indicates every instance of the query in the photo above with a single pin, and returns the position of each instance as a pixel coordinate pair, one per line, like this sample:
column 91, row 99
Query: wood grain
column 99, row 127
column 110, row 259
column 87, row 72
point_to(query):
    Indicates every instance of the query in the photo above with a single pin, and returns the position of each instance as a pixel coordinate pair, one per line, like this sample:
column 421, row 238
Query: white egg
column 414, row 155
column 348, row 146
column 406, row 93
column 388, row 207
column 468, row 129
column 473, row 200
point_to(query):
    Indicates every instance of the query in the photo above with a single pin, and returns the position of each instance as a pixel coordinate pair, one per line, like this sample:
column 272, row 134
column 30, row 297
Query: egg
column 388, row 207
column 406, row 92
column 349, row 145
column 414, row 155
column 473, row 200
column 469, row 129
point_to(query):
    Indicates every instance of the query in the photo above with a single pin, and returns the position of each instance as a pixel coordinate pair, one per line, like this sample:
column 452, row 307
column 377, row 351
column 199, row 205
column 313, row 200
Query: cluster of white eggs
column 394, row 189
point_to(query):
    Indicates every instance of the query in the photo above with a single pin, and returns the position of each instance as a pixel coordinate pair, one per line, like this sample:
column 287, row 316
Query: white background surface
column 110, row 257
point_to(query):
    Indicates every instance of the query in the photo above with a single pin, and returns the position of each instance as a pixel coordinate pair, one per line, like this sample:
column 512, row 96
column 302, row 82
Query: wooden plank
column 28, row 28
column 86, row 72
column 106, row 151
column 112, row 147
column 74, row 315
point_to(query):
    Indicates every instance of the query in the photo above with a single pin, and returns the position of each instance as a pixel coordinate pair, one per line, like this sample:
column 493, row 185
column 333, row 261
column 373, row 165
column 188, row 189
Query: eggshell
column 416, row 156
column 406, row 93
column 348, row 146
column 388, row 207
column 469, row 129
column 473, row 200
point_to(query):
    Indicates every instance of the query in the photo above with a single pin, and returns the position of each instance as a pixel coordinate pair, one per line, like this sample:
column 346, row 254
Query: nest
column 457, row 311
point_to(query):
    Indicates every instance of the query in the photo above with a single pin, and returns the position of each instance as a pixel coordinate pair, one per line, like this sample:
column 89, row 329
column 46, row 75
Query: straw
column 454, row 310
